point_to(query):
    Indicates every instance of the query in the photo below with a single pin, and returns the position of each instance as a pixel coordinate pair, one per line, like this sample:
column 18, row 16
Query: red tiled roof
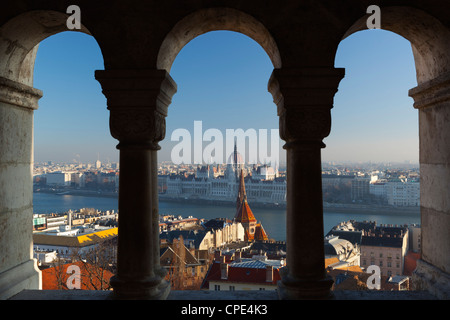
column 260, row 233
column 244, row 213
column 50, row 277
column 410, row 263
column 241, row 275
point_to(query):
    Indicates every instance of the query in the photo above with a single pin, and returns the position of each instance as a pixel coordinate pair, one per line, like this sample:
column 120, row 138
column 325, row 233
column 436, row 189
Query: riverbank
column 327, row 207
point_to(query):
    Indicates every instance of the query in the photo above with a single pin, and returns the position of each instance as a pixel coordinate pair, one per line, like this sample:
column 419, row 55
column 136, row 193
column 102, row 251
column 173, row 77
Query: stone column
column 432, row 99
column 304, row 98
column 18, row 269
column 138, row 102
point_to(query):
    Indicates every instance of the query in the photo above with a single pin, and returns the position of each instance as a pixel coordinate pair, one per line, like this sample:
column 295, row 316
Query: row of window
column 380, row 264
column 389, row 255
column 231, row 288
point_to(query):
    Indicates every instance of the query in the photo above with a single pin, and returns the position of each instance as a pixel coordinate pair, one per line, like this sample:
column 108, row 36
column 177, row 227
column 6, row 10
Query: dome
column 235, row 158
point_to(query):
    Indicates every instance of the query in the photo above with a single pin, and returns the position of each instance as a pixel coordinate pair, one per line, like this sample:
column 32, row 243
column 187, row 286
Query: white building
column 347, row 253
column 262, row 186
column 256, row 273
column 264, row 172
column 404, row 193
column 59, row 178
column 397, row 192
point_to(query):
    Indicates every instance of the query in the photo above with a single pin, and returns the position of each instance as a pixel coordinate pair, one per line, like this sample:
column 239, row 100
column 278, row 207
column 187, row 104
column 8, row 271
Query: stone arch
column 430, row 42
column 430, row 39
column 214, row 19
column 20, row 38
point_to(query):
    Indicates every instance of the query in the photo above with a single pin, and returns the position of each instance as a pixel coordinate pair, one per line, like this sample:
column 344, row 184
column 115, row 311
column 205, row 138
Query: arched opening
column 20, row 38
column 19, row 42
column 371, row 163
column 429, row 42
column 222, row 67
column 428, row 37
column 214, row 19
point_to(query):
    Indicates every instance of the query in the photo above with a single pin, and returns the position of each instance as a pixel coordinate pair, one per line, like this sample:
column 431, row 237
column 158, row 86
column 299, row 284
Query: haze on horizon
column 222, row 80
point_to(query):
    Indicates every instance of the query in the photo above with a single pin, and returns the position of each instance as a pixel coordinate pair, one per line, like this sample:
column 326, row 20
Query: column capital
column 138, row 101
column 19, row 94
column 431, row 93
column 304, row 98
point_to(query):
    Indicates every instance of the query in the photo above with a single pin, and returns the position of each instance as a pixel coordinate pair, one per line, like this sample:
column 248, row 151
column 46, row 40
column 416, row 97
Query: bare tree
column 60, row 276
column 98, row 263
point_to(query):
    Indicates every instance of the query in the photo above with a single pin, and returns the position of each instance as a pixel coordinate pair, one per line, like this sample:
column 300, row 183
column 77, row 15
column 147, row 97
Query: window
column 232, row 288
column 217, row 287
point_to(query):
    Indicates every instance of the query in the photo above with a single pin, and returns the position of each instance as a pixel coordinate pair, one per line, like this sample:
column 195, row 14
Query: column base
column 152, row 289
column 305, row 289
column 25, row 276
column 427, row 277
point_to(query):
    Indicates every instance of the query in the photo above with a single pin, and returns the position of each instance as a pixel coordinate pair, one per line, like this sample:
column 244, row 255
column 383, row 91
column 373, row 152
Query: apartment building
column 385, row 247
column 256, row 273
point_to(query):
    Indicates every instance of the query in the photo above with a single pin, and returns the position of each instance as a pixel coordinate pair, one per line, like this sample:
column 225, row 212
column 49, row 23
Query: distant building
column 208, row 183
column 212, row 234
column 386, row 247
column 256, row 273
column 60, row 178
column 344, row 251
column 360, row 189
column 253, row 229
column 185, row 271
column 415, row 237
column 397, row 192
column 66, row 245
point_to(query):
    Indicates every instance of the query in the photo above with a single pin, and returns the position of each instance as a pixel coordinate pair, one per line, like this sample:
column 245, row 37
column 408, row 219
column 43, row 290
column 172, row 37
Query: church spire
column 235, row 159
column 242, row 195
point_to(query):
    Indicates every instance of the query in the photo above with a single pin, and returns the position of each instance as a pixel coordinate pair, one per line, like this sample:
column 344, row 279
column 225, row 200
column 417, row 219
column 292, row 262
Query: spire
column 242, row 195
column 243, row 211
column 235, row 158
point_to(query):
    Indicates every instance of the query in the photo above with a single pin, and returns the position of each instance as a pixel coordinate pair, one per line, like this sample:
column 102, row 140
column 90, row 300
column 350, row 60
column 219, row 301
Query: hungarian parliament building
column 263, row 184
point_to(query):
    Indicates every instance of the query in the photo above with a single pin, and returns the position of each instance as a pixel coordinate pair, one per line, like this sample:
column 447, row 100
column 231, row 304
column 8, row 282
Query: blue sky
column 222, row 80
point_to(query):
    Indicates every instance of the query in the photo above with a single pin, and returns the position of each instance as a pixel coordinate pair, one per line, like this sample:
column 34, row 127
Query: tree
column 98, row 263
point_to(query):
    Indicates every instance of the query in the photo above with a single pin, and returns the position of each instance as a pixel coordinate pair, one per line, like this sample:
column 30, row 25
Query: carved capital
column 304, row 98
column 305, row 125
column 137, row 127
column 432, row 93
column 18, row 94
column 138, row 101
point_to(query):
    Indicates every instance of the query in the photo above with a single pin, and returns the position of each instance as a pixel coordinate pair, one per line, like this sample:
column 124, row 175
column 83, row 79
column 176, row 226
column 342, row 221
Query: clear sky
column 222, row 81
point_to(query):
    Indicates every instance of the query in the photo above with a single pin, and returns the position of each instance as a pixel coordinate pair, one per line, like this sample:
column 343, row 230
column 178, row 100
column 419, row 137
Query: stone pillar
column 18, row 269
column 138, row 102
column 432, row 99
column 304, row 98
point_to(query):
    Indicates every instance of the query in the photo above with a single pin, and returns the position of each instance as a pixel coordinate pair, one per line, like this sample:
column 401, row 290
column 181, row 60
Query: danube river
column 273, row 220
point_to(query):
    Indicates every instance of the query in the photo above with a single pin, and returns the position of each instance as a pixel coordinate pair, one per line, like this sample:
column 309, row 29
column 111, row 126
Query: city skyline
column 222, row 80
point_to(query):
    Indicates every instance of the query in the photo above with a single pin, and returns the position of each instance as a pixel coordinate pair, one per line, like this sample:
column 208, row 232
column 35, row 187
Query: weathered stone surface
column 139, row 41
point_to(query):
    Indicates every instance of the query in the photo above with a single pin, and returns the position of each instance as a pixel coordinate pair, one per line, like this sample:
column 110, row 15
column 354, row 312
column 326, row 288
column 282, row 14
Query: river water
column 273, row 220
